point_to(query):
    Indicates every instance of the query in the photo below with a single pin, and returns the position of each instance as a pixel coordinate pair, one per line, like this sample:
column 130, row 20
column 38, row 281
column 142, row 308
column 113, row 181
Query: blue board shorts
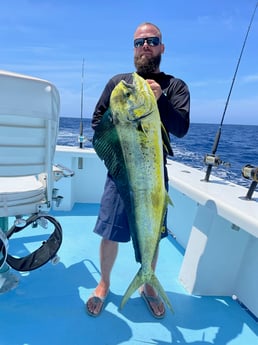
column 112, row 223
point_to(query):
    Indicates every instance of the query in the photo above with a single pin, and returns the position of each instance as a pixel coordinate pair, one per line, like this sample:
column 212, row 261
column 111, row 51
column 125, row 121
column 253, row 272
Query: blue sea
column 237, row 146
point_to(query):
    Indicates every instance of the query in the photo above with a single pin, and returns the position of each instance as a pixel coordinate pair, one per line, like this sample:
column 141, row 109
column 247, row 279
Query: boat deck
column 48, row 306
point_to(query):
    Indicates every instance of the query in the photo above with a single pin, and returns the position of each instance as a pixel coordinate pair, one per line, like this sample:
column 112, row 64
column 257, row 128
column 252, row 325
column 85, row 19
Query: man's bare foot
column 95, row 303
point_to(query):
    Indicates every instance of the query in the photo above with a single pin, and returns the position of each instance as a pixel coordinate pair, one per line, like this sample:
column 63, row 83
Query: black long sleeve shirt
column 173, row 104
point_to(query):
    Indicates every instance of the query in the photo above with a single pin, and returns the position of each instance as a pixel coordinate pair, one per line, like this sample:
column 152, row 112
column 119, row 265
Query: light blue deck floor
column 48, row 306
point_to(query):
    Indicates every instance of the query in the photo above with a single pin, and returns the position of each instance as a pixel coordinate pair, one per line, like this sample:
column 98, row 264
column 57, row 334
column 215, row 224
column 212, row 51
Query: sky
column 203, row 40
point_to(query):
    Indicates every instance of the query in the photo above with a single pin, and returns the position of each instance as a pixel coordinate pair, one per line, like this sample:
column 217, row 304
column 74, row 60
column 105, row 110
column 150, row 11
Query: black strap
column 43, row 254
column 3, row 248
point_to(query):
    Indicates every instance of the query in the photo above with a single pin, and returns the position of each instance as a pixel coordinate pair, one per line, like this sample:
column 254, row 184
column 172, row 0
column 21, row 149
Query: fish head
column 132, row 102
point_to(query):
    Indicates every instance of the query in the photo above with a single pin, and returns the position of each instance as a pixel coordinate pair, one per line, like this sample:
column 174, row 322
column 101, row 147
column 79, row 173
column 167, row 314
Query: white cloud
column 250, row 78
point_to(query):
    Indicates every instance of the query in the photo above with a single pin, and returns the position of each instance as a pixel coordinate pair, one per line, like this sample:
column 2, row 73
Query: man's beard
column 145, row 65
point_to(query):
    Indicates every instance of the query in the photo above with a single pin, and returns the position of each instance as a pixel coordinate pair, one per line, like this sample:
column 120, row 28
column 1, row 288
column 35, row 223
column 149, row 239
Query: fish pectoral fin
column 166, row 141
column 141, row 128
column 169, row 201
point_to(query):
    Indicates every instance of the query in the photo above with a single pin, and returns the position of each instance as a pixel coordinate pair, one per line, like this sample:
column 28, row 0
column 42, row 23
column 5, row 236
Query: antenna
column 210, row 159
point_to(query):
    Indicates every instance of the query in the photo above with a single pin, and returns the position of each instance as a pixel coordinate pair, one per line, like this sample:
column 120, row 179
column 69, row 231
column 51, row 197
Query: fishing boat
column 49, row 255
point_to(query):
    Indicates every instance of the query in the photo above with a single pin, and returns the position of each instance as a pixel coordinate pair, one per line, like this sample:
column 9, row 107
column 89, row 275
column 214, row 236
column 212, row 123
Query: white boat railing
column 213, row 221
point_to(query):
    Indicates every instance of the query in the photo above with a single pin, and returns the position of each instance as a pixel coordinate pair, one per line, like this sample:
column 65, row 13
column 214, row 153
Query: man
column 173, row 101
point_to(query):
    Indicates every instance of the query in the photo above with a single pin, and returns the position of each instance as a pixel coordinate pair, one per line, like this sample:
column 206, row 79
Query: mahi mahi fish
column 129, row 140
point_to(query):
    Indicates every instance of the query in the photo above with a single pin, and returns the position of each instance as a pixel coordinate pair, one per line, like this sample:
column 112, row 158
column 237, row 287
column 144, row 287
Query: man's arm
column 174, row 107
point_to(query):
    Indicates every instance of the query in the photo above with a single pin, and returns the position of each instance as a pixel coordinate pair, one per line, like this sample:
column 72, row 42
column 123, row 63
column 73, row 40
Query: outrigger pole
column 81, row 138
column 210, row 159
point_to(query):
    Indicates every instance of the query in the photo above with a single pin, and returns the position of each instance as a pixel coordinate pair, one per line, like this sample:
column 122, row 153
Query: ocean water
column 237, row 146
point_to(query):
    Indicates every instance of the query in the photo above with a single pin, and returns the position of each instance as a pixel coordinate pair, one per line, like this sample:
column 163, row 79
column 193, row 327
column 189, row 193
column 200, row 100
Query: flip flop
column 96, row 300
column 157, row 300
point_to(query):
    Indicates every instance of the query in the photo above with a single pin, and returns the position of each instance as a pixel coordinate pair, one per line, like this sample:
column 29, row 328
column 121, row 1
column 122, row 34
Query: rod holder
column 250, row 172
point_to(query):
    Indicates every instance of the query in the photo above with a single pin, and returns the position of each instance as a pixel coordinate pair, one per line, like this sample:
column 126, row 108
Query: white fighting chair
column 29, row 118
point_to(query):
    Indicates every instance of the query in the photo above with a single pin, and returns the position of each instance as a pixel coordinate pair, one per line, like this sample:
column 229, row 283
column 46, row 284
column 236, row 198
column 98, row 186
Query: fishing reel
column 250, row 172
column 212, row 160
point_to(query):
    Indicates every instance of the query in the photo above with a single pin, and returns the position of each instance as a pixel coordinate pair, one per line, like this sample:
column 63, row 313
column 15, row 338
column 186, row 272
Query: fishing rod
column 211, row 159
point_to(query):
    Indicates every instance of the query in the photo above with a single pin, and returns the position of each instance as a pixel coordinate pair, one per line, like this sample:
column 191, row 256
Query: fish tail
column 138, row 281
column 154, row 282
column 135, row 284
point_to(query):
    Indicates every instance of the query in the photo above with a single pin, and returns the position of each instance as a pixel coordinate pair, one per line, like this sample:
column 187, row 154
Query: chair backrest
column 29, row 117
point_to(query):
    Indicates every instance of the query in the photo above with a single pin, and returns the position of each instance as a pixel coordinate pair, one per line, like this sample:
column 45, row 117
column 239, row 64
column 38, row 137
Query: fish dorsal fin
column 107, row 145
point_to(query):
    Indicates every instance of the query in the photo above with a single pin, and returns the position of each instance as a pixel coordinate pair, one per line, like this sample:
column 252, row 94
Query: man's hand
column 156, row 89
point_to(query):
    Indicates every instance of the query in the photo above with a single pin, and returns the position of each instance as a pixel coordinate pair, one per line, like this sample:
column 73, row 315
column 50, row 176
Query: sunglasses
column 151, row 41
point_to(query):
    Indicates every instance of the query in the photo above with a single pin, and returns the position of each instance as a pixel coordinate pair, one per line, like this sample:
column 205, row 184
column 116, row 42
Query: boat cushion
column 18, row 195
